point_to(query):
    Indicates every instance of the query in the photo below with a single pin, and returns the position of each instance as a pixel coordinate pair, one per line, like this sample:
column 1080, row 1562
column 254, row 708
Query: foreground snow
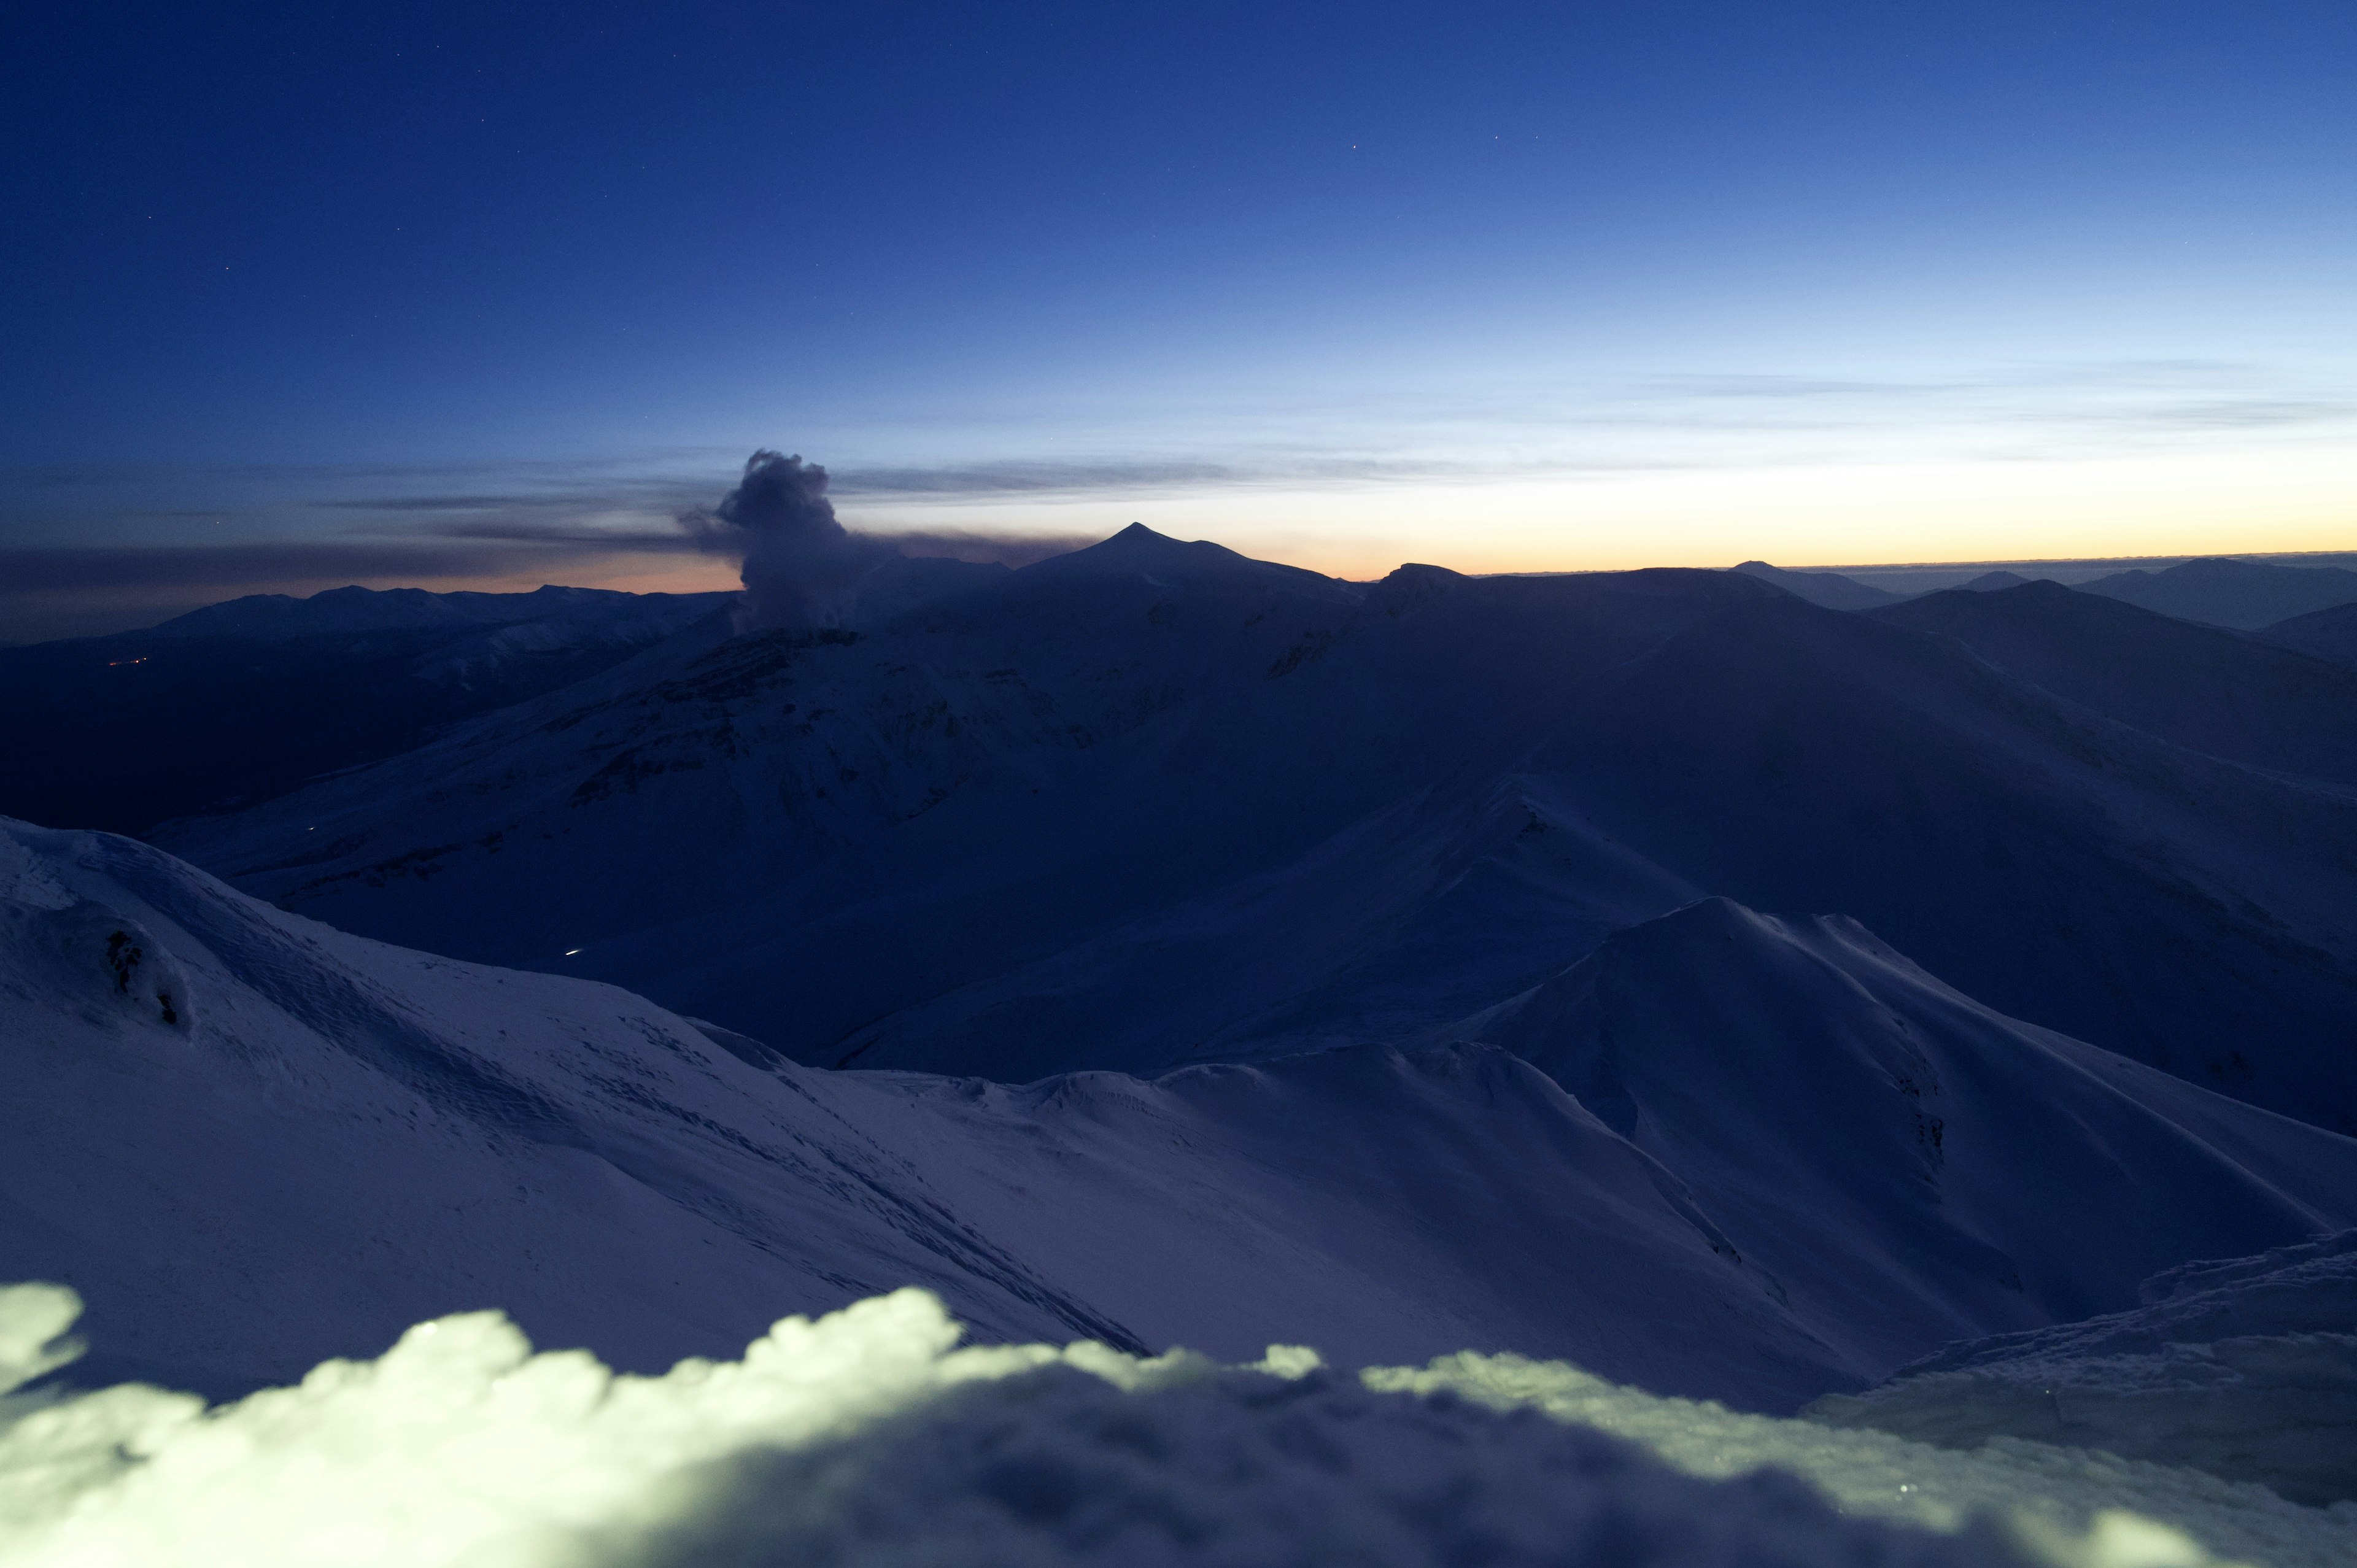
column 867, row 1436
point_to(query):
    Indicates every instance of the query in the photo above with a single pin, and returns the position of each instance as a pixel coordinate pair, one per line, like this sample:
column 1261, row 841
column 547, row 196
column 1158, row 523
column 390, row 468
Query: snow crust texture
column 2246, row 1369
column 867, row 1436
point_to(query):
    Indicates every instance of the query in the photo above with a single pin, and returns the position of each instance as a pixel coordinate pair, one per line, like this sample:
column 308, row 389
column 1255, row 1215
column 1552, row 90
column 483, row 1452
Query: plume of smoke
column 801, row 567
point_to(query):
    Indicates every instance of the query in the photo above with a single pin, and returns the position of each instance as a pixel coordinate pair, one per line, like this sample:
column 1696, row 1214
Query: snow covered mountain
column 1906, row 1156
column 244, row 701
column 1152, row 803
column 2245, row 1367
column 250, row 1140
column 275, row 617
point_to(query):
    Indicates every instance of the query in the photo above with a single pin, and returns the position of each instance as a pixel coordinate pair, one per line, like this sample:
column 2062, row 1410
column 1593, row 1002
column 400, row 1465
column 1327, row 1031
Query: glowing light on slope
column 461, row 1446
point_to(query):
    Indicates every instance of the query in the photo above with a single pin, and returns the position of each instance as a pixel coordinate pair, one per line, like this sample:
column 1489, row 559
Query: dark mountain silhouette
column 2328, row 634
column 1830, row 589
column 1154, row 802
column 2246, row 595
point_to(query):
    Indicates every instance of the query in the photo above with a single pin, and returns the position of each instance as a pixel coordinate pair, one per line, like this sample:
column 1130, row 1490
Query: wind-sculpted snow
column 867, row 1437
column 2247, row 1369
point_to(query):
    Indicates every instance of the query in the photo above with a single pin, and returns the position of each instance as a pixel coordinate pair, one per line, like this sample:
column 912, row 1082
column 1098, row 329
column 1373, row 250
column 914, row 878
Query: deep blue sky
column 1496, row 285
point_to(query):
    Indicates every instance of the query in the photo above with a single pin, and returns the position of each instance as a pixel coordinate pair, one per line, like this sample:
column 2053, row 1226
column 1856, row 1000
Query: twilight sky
column 483, row 295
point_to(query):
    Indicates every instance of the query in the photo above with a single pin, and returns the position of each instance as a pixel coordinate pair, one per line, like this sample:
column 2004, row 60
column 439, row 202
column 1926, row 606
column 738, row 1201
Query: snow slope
column 250, row 1140
column 1898, row 1158
column 2246, row 1369
column 1152, row 803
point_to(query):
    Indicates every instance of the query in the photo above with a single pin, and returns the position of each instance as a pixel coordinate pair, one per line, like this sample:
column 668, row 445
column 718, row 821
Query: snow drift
column 867, row 1436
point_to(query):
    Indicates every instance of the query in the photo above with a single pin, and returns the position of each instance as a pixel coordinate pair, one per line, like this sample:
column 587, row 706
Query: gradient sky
column 291, row 296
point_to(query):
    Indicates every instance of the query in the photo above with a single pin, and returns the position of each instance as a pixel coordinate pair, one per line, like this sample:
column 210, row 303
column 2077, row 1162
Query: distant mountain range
column 2249, row 596
column 1152, row 803
column 2328, row 634
column 238, row 701
column 1830, row 589
column 2211, row 690
column 2246, row 595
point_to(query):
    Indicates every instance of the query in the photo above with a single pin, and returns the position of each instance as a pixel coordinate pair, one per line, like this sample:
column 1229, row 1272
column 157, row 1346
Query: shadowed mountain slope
column 1831, row 589
column 252, row 1142
column 2245, row 1367
column 244, row 701
column 280, row 618
column 2217, row 692
column 2328, row 634
column 2246, row 595
column 1152, row 803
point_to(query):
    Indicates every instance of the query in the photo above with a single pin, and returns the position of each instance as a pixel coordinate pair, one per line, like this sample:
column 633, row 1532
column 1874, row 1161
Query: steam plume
column 802, row 566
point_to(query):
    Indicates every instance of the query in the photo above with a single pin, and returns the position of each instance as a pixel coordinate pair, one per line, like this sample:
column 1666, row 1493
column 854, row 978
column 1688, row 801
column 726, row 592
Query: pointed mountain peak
column 1137, row 549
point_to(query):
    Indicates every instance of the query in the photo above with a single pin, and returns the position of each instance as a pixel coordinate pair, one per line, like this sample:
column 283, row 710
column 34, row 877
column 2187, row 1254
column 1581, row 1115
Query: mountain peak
column 1139, row 549
column 1830, row 589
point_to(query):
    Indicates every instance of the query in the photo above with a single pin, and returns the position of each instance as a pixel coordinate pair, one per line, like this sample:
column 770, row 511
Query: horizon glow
column 1526, row 288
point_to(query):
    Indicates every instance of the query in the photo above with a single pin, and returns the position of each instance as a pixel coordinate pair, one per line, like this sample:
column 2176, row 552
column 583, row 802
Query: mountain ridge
column 428, row 1135
column 1012, row 814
